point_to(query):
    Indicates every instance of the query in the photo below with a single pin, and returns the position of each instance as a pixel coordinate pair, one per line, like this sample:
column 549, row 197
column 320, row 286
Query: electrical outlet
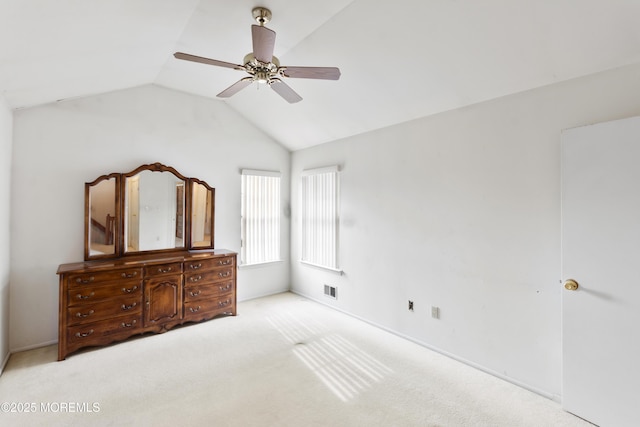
column 435, row 312
column 410, row 305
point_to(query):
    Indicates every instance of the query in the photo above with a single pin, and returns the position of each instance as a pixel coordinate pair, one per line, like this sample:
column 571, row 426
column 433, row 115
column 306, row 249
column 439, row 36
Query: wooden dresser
column 108, row 300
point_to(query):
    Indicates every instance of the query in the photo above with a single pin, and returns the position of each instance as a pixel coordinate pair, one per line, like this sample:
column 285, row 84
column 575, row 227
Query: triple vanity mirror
column 153, row 208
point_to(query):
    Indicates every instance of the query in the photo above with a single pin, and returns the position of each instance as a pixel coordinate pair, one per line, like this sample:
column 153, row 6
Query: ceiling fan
column 262, row 66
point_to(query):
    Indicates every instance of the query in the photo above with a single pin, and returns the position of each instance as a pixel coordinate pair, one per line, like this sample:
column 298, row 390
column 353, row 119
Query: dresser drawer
column 207, row 291
column 160, row 269
column 85, row 279
column 90, row 294
column 102, row 332
column 86, row 313
column 207, row 264
column 208, row 308
column 207, row 276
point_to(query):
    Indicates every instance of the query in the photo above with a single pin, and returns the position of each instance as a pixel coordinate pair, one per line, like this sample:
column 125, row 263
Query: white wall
column 58, row 147
column 462, row 211
column 6, row 126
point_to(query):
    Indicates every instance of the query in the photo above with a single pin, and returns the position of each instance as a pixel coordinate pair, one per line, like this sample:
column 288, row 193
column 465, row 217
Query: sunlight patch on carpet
column 343, row 368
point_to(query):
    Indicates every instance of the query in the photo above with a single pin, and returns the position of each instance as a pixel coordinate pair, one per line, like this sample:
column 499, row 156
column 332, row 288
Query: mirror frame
column 87, row 217
column 155, row 167
column 190, row 184
column 119, row 237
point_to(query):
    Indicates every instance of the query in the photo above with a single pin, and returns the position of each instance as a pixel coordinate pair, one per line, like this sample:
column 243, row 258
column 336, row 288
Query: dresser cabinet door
column 163, row 299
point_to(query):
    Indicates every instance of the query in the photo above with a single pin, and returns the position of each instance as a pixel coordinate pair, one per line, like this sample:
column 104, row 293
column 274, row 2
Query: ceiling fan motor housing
column 262, row 72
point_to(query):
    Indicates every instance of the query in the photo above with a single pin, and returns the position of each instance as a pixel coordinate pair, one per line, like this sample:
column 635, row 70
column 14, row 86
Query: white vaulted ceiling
column 399, row 60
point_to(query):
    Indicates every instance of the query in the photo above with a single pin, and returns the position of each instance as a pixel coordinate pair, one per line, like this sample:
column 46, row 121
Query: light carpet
column 283, row 361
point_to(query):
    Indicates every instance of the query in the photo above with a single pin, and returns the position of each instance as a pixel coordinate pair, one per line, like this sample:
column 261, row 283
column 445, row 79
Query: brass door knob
column 570, row 285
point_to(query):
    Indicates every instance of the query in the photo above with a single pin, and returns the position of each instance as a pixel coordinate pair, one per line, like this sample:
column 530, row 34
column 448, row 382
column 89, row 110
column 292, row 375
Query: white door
column 601, row 252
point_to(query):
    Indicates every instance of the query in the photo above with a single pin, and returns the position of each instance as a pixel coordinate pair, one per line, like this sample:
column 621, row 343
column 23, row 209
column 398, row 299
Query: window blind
column 260, row 217
column 319, row 244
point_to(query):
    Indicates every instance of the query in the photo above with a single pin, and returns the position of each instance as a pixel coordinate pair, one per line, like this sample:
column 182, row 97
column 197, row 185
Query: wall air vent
column 330, row 291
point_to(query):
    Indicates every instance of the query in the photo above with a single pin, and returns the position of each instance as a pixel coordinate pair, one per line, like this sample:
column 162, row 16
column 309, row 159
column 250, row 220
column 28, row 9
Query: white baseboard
column 268, row 294
column 4, row 362
column 26, row 348
column 33, row 346
column 513, row 381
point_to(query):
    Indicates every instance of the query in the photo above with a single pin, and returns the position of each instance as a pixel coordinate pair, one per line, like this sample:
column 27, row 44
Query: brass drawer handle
column 85, row 281
column 194, row 294
column 225, row 274
column 80, row 296
column 129, row 275
column 127, row 325
column 165, row 270
column 128, row 291
column 84, row 334
column 223, row 303
column 82, row 316
column 225, row 262
column 194, row 310
column 195, row 266
column 195, row 278
column 225, row 288
column 128, row 307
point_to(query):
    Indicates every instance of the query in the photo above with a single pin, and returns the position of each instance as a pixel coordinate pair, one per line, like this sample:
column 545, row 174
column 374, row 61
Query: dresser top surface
column 139, row 261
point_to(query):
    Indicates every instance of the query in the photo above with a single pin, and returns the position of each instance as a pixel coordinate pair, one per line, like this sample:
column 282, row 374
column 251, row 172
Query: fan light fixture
column 262, row 66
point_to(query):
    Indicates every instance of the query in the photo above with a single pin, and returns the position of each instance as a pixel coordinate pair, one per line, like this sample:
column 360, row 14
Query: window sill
column 323, row 267
column 259, row 264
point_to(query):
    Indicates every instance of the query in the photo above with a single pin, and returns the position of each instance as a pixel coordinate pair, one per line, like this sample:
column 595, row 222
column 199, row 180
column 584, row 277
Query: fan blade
column 285, row 91
column 202, row 60
column 235, row 88
column 325, row 73
column 264, row 40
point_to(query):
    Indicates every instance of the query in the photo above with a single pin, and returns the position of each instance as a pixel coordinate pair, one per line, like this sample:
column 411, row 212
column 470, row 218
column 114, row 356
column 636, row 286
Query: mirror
column 101, row 214
column 202, row 197
column 154, row 204
column 152, row 208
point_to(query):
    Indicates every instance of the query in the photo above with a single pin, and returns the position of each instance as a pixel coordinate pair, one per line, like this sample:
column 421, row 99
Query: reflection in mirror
column 201, row 216
column 102, row 217
column 154, row 211
column 151, row 208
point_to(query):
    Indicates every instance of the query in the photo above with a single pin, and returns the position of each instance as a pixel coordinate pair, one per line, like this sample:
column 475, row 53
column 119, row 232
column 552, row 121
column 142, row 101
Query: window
column 320, row 217
column 260, row 217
